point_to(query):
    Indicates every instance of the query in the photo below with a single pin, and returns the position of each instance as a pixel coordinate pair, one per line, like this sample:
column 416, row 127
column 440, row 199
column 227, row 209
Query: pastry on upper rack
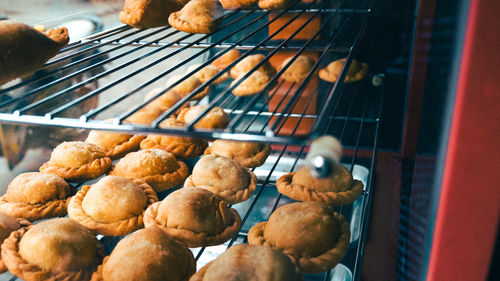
column 314, row 236
column 148, row 255
column 181, row 147
column 248, row 154
column 249, row 263
column 35, row 196
column 148, row 13
column 357, row 71
column 157, row 167
column 338, row 188
column 224, row 177
column 216, row 118
column 207, row 72
column 165, row 101
column 187, row 86
column 197, row 16
column 145, row 115
column 298, row 70
column 9, row 224
column 235, row 4
column 55, row 249
column 24, row 50
column 246, row 64
column 251, row 85
column 226, row 59
column 77, row 161
column 113, row 206
column 194, row 216
column 274, row 4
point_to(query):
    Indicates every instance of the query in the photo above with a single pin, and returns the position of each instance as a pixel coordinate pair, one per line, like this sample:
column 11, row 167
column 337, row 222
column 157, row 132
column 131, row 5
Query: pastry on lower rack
column 77, row 161
column 224, row 177
column 216, row 118
column 339, row 188
column 357, row 71
column 194, row 216
column 298, row 70
column 145, row 115
column 148, row 13
column 181, row 147
column 24, row 50
column 226, row 59
column 197, row 16
column 158, row 168
column 251, row 85
column 115, row 145
column 246, row 64
column 35, row 196
column 314, row 236
column 55, row 249
column 187, row 86
column 249, row 263
column 113, row 206
column 148, row 255
column 274, row 4
column 8, row 225
column 207, row 72
column 248, row 154
column 235, row 4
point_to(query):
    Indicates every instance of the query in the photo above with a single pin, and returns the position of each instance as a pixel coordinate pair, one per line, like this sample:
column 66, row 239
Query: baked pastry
column 207, row 72
column 148, row 13
column 158, row 168
column 113, row 206
column 298, row 70
column 194, row 216
column 55, row 249
column 9, row 224
column 24, row 50
column 252, row 85
column 235, row 4
column 216, row 118
column 339, row 188
column 181, row 147
column 197, row 16
column 331, row 72
column 248, row 154
column 35, row 196
column 165, row 101
column 149, row 255
column 274, row 4
column 114, row 145
column 145, row 115
column 314, row 236
column 249, row 263
column 226, row 59
column 188, row 85
column 77, row 161
column 246, row 64
column 224, row 177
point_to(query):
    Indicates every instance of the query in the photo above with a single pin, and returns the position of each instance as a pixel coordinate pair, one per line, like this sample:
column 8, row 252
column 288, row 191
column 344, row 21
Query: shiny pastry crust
column 298, row 70
column 226, row 59
column 316, row 264
column 252, row 85
column 274, row 4
column 30, row 272
column 23, row 223
column 114, row 149
column 357, row 71
column 216, row 118
column 197, row 16
column 240, row 152
column 246, row 64
column 121, row 227
column 188, row 85
column 207, row 72
column 308, row 193
column 235, row 4
column 148, row 13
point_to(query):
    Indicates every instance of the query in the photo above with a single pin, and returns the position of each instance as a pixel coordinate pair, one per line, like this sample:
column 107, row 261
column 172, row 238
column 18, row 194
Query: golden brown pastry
column 114, row 145
column 165, row 101
column 188, row 85
column 339, row 188
column 224, row 177
column 35, row 196
column 331, row 72
column 145, row 116
column 298, row 70
column 226, row 59
column 113, row 206
column 148, row 13
column 235, row 4
column 252, row 85
column 148, row 255
column 181, row 147
column 9, row 224
column 216, row 118
column 207, row 72
column 158, row 168
column 55, row 249
column 248, row 154
column 246, row 64
column 249, row 263
column 24, row 50
column 274, row 4
column 197, row 16
column 194, row 216
column 314, row 236
column 77, row 161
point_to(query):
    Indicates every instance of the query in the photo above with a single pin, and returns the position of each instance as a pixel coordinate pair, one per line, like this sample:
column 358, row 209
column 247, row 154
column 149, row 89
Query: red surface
column 469, row 205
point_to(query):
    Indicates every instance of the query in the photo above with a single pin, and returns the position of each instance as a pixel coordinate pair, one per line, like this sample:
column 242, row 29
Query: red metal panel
column 469, row 204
